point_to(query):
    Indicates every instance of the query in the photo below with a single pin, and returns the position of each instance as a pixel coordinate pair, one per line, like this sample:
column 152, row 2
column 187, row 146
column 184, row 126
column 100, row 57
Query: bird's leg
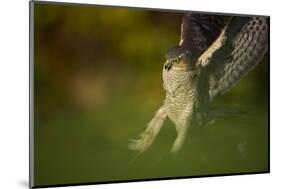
column 203, row 101
column 151, row 131
column 182, row 126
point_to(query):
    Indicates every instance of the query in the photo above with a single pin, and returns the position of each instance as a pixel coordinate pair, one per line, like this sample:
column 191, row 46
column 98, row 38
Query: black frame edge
column 31, row 95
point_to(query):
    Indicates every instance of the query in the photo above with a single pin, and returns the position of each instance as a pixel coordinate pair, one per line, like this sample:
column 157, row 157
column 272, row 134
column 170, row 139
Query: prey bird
column 214, row 53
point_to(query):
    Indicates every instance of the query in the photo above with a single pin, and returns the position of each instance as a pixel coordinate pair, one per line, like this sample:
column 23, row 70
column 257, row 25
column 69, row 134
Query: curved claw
column 141, row 144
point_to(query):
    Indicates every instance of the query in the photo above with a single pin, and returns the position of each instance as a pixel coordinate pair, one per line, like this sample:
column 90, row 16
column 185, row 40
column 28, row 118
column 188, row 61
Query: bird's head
column 179, row 58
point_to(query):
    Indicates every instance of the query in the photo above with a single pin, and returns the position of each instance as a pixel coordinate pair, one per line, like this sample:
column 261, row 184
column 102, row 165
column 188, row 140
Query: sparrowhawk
column 214, row 53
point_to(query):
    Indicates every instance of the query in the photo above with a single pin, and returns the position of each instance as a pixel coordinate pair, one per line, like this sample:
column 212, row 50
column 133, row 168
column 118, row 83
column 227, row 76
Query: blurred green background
column 98, row 82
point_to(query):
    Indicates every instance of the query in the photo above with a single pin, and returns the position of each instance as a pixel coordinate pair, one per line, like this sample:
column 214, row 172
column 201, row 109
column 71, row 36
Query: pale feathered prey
column 214, row 53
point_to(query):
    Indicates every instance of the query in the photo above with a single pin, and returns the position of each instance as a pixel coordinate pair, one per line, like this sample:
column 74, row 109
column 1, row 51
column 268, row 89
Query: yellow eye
column 176, row 61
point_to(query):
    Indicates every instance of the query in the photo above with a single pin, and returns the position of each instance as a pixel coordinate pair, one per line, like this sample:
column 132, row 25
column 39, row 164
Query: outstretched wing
column 198, row 31
column 240, row 46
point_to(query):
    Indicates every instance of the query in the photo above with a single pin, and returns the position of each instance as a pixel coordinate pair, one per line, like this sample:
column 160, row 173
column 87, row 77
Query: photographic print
column 121, row 94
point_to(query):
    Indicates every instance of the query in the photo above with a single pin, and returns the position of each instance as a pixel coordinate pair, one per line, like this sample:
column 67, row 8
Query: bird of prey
column 214, row 53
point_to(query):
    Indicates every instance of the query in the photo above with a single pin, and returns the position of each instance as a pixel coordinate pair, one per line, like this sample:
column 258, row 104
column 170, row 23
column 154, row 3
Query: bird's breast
column 181, row 91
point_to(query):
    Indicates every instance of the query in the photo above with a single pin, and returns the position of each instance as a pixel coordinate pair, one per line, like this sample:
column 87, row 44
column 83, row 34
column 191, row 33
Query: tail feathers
column 222, row 113
column 228, row 113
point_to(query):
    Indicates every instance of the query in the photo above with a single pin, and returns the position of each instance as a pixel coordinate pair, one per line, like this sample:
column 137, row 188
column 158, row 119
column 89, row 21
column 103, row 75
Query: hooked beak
column 168, row 65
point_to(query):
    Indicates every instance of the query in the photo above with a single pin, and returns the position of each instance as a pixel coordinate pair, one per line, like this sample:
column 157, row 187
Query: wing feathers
column 198, row 31
column 227, row 47
column 249, row 47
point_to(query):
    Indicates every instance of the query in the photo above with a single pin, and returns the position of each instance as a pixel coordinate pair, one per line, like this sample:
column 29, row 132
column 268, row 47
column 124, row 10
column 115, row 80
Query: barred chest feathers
column 181, row 92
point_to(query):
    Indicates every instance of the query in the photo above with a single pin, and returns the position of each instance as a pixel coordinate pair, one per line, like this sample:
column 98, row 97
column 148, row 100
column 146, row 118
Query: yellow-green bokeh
column 97, row 82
